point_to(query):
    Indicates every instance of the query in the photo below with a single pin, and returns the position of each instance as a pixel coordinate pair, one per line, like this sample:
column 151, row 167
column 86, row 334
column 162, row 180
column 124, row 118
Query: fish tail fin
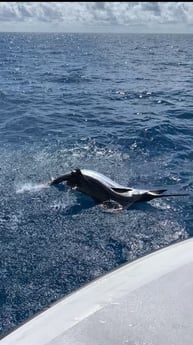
column 169, row 195
column 158, row 191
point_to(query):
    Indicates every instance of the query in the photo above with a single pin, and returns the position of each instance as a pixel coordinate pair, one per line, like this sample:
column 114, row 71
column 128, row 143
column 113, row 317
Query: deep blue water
column 118, row 104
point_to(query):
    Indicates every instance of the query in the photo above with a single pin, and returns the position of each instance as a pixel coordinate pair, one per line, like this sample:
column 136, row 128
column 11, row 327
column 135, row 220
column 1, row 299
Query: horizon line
column 96, row 32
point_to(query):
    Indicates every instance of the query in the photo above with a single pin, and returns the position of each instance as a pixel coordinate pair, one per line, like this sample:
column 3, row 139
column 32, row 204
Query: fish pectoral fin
column 121, row 190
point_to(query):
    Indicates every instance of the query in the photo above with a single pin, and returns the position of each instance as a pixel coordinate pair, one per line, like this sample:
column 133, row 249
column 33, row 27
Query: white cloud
column 149, row 15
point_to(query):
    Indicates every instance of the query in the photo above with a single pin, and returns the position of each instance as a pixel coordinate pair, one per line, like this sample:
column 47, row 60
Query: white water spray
column 31, row 187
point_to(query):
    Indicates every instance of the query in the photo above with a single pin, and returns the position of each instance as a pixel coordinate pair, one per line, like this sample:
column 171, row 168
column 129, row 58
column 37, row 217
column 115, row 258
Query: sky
column 126, row 17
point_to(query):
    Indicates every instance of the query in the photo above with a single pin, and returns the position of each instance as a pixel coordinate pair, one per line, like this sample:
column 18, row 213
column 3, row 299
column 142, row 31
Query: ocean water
column 115, row 103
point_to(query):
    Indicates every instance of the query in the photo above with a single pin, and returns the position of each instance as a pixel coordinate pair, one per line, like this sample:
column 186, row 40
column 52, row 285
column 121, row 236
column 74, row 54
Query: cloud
column 112, row 14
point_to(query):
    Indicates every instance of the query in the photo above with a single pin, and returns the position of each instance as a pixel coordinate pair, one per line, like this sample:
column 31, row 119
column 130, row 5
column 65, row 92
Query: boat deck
column 146, row 302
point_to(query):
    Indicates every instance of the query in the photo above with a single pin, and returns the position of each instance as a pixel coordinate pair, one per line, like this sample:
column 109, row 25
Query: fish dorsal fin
column 121, row 190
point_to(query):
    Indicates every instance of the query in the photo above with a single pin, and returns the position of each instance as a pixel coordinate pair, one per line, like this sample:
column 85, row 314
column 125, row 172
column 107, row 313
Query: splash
column 59, row 205
column 31, row 187
column 111, row 206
